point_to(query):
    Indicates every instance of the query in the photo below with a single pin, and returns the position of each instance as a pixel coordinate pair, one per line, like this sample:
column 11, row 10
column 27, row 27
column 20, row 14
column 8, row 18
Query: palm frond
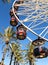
column 1, row 35
column 29, row 54
column 16, row 49
column 9, row 32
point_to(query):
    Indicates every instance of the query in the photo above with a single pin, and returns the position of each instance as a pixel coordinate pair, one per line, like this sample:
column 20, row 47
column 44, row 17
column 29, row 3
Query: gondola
column 21, row 32
column 40, row 52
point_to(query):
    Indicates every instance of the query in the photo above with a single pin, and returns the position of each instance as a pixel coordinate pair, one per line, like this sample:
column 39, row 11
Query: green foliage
column 16, row 50
column 29, row 54
column 9, row 32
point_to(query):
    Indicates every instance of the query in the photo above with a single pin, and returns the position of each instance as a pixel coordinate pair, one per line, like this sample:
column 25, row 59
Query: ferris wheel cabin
column 13, row 21
column 40, row 52
column 21, row 32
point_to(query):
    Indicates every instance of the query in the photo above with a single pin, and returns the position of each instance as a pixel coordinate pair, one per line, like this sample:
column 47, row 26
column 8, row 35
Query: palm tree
column 8, row 33
column 15, row 48
column 29, row 55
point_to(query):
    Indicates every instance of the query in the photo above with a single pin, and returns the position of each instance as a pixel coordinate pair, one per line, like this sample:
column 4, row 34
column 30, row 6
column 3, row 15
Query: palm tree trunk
column 11, row 58
column 16, row 62
column 4, row 53
column 30, row 62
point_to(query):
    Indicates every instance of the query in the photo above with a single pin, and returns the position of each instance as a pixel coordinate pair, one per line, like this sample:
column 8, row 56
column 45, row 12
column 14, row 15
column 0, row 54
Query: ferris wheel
column 33, row 15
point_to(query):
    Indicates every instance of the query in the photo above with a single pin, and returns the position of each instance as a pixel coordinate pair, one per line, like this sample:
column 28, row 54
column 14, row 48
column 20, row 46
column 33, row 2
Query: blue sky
column 4, row 22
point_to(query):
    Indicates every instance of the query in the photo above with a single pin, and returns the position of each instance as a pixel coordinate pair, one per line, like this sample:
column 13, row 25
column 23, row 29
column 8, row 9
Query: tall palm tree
column 15, row 48
column 8, row 33
column 15, row 51
column 29, row 55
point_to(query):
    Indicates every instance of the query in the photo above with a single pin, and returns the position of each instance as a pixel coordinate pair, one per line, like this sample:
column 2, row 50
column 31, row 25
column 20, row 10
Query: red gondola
column 40, row 52
column 13, row 21
column 21, row 32
column 38, row 42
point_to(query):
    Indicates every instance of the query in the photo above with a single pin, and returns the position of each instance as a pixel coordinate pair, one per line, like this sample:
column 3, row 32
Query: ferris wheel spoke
column 45, row 34
column 29, row 39
column 36, row 25
column 29, row 17
column 39, row 28
column 22, row 4
column 24, row 11
column 30, row 24
column 43, row 31
column 35, row 17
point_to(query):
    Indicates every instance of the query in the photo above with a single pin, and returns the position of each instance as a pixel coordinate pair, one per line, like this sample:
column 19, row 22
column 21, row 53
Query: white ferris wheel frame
column 30, row 24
